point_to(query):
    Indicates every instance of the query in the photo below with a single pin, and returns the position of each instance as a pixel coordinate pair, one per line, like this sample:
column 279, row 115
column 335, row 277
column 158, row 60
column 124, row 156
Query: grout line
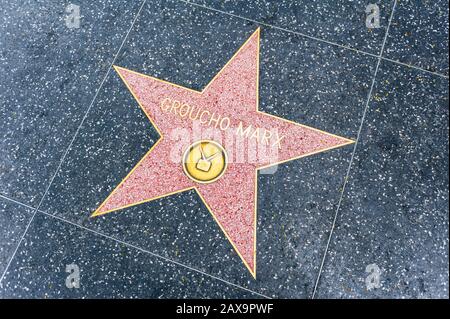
column 353, row 154
column 378, row 56
column 134, row 246
column 71, row 142
column 152, row 254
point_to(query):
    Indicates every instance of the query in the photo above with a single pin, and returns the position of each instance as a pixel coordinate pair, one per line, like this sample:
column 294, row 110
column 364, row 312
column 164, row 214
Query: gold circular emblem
column 205, row 161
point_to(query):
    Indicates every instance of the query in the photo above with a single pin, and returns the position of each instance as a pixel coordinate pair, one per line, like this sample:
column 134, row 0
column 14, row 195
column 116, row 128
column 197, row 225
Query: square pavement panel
column 339, row 21
column 393, row 221
column 188, row 45
column 13, row 221
column 419, row 35
column 59, row 260
column 50, row 67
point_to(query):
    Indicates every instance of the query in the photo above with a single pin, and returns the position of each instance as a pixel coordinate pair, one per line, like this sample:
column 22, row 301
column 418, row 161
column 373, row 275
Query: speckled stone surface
column 107, row 269
column 49, row 76
column 308, row 82
column 419, row 35
column 395, row 210
column 13, row 221
column 342, row 22
column 225, row 109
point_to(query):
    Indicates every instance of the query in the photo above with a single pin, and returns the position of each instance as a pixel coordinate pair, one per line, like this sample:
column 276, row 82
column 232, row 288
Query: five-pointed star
column 231, row 199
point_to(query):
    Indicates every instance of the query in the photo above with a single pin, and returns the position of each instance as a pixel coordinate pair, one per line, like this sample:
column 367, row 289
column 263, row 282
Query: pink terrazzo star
column 232, row 94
